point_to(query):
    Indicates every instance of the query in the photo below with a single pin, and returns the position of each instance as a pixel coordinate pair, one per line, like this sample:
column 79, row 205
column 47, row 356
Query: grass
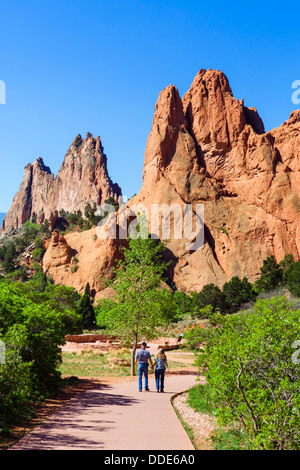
column 188, row 429
column 231, row 439
column 93, row 363
column 199, row 398
column 115, row 363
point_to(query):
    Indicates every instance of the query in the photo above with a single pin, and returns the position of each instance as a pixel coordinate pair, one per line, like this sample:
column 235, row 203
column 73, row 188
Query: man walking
column 142, row 357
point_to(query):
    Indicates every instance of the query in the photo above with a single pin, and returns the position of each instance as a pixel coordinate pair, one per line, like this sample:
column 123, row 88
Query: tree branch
column 240, row 389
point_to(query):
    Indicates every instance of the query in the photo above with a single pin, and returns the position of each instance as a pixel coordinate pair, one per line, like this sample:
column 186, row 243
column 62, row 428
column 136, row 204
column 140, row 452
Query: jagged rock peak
column 39, row 163
column 82, row 178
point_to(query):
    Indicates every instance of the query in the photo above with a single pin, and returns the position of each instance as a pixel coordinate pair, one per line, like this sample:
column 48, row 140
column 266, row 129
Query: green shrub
column 248, row 362
column 33, row 325
column 86, row 310
column 15, row 377
column 38, row 254
column 210, row 295
column 199, row 398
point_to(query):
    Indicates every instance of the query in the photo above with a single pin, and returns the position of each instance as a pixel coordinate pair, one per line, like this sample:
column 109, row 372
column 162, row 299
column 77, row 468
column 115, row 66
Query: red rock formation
column 95, row 259
column 31, row 197
column 209, row 148
column 82, row 178
column 59, row 253
column 206, row 148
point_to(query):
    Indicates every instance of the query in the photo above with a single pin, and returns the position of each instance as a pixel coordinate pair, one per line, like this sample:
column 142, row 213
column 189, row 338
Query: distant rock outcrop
column 82, row 178
column 31, row 198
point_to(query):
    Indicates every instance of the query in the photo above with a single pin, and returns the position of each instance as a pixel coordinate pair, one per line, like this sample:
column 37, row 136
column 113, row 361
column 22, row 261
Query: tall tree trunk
column 133, row 357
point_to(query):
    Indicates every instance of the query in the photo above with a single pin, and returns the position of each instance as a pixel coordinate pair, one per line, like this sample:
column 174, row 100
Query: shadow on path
column 76, row 422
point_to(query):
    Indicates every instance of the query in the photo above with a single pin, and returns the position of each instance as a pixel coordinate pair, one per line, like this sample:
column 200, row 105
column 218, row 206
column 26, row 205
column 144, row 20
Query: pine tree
column 271, row 275
column 86, row 310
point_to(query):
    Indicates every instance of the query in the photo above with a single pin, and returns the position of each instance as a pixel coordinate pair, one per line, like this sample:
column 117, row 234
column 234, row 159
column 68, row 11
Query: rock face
column 82, row 178
column 81, row 257
column 208, row 148
column 31, row 197
column 59, row 253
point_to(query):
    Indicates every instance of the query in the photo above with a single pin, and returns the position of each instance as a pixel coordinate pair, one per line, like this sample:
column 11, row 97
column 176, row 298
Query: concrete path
column 117, row 417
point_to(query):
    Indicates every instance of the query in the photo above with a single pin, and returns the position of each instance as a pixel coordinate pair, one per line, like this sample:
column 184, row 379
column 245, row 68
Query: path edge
column 184, row 424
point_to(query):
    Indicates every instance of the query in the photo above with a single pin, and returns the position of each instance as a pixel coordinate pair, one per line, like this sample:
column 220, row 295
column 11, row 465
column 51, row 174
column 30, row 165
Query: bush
column 86, row 310
column 43, row 331
column 199, row 398
column 254, row 380
column 38, row 254
column 9, row 258
column 33, row 325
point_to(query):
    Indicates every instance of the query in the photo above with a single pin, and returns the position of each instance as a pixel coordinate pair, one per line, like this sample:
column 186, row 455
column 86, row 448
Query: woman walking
column 161, row 365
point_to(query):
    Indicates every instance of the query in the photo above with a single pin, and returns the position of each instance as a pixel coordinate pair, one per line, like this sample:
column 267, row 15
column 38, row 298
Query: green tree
column 139, row 308
column 210, row 295
column 45, row 228
column 86, row 310
column 90, row 213
column 237, row 292
column 286, row 262
column 271, row 275
column 111, row 201
column 9, row 258
column 292, row 277
column 15, row 377
column 43, row 332
column 184, row 303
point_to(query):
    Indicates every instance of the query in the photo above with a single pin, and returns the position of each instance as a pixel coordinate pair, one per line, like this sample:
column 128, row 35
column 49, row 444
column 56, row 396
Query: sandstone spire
column 83, row 177
column 31, row 198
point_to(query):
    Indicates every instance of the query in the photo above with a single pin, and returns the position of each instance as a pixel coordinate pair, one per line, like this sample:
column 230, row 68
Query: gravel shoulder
column 200, row 424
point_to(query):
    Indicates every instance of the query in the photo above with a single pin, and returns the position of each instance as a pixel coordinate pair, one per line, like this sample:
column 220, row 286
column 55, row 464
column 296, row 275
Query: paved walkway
column 117, row 417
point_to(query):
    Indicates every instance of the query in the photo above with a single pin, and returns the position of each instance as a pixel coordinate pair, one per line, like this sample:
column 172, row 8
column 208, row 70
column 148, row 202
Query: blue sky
column 92, row 66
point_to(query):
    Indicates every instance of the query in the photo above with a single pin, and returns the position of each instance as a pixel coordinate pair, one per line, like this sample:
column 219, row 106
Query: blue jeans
column 159, row 378
column 143, row 369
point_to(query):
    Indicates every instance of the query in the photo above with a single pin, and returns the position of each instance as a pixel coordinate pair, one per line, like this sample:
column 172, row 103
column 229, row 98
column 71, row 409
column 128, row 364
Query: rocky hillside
column 82, row 178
